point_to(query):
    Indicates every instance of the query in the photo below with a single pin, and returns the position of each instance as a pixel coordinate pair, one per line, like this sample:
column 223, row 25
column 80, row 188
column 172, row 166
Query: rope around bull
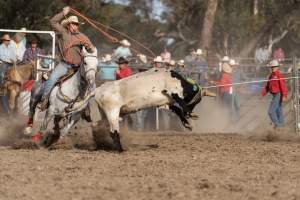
column 251, row 82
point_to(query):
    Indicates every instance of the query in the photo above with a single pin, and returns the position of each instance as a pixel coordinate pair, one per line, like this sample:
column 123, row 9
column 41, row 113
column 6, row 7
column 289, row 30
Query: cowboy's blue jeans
column 60, row 70
column 275, row 110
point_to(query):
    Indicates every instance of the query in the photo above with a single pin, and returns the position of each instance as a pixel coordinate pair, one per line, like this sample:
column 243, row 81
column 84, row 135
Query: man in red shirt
column 124, row 70
column 277, row 87
column 225, row 85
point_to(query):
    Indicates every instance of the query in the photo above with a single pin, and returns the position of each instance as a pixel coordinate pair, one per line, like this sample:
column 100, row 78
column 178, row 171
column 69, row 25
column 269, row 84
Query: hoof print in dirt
column 25, row 144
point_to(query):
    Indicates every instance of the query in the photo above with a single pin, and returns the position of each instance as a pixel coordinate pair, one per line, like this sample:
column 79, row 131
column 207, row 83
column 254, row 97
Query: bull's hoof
column 117, row 142
column 188, row 126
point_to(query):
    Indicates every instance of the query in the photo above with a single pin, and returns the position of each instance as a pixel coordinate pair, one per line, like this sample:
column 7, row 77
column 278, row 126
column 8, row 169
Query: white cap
column 107, row 58
column 225, row 59
column 232, row 62
column 181, row 62
column 158, row 59
column 274, row 63
column 172, row 63
column 199, row 52
column 125, row 43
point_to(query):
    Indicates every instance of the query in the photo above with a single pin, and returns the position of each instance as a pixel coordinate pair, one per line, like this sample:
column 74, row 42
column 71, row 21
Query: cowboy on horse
column 70, row 42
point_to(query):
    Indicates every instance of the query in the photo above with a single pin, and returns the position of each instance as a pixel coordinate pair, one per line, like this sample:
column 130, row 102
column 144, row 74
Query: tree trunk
column 208, row 24
column 254, row 41
column 255, row 7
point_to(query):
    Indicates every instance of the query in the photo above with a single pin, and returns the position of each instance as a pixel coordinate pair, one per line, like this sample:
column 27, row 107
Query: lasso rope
column 110, row 37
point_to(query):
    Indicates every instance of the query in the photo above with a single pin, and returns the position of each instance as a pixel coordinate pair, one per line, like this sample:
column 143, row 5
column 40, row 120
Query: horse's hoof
column 28, row 131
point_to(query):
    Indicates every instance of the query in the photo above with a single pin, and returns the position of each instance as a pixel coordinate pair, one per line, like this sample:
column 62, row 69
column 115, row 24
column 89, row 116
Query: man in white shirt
column 19, row 45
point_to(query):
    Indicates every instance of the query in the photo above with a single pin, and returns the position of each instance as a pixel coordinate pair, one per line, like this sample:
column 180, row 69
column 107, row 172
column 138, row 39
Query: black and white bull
column 156, row 87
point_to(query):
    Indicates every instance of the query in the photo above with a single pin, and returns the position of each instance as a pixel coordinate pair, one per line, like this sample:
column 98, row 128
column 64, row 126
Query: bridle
column 86, row 71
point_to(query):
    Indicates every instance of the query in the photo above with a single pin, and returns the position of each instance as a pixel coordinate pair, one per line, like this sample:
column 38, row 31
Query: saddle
column 67, row 76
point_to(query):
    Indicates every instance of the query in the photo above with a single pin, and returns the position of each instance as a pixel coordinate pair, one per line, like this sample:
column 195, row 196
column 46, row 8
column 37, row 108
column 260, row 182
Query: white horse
column 69, row 92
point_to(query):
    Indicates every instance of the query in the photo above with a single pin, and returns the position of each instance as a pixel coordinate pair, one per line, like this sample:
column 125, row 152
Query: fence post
column 295, row 94
column 157, row 118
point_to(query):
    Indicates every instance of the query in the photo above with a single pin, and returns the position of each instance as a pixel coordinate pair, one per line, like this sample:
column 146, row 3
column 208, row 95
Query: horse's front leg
column 113, row 120
column 73, row 119
column 53, row 137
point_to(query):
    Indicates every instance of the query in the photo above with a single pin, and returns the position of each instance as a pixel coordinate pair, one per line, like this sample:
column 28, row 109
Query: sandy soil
column 155, row 166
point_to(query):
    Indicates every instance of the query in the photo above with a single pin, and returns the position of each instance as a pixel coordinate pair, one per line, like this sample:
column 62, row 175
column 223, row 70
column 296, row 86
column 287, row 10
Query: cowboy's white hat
column 107, row 58
column 225, row 59
column 23, row 29
column 199, row 52
column 232, row 62
column 227, row 68
column 125, row 43
column 181, row 62
column 274, row 63
column 158, row 59
column 172, row 63
column 71, row 19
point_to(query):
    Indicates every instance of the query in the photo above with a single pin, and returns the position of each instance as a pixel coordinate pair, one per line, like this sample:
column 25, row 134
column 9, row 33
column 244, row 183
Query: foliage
column 182, row 22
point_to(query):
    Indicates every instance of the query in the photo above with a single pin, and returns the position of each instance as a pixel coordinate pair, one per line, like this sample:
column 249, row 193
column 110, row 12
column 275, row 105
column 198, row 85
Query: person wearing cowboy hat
column 237, row 77
column 225, row 86
column 70, row 42
column 122, row 51
column 31, row 53
column 124, row 70
column 200, row 68
column 7, row 50
column 7, row 57
column 158, row 62
column 276, row 86
column 171, row 64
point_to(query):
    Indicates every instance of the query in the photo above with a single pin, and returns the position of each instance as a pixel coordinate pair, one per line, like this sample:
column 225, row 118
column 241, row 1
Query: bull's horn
column 208, row 93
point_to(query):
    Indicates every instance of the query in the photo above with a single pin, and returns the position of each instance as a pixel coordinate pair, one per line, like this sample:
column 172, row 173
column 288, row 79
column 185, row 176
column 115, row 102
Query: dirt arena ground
column 155, row 166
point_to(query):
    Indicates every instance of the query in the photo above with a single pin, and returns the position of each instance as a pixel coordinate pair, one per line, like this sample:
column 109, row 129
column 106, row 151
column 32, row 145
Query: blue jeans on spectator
column 60, row 70
column 3, row 68
column 4, row 102
column 275, row 110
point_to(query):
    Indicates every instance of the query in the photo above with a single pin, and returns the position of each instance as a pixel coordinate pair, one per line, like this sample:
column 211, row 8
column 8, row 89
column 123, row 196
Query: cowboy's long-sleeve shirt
column 70, row 43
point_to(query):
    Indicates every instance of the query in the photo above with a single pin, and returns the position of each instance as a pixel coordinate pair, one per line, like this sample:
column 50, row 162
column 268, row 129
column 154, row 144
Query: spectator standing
column 31, row 53
column 166, row 56
column 7, row 57
column 19, row 45
column 124, row 70
column 276, row 86
column 122, row 51
column 237, row 77
column 279, row 55
column 158, row 62
column 225, row 84
column 200, row 68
